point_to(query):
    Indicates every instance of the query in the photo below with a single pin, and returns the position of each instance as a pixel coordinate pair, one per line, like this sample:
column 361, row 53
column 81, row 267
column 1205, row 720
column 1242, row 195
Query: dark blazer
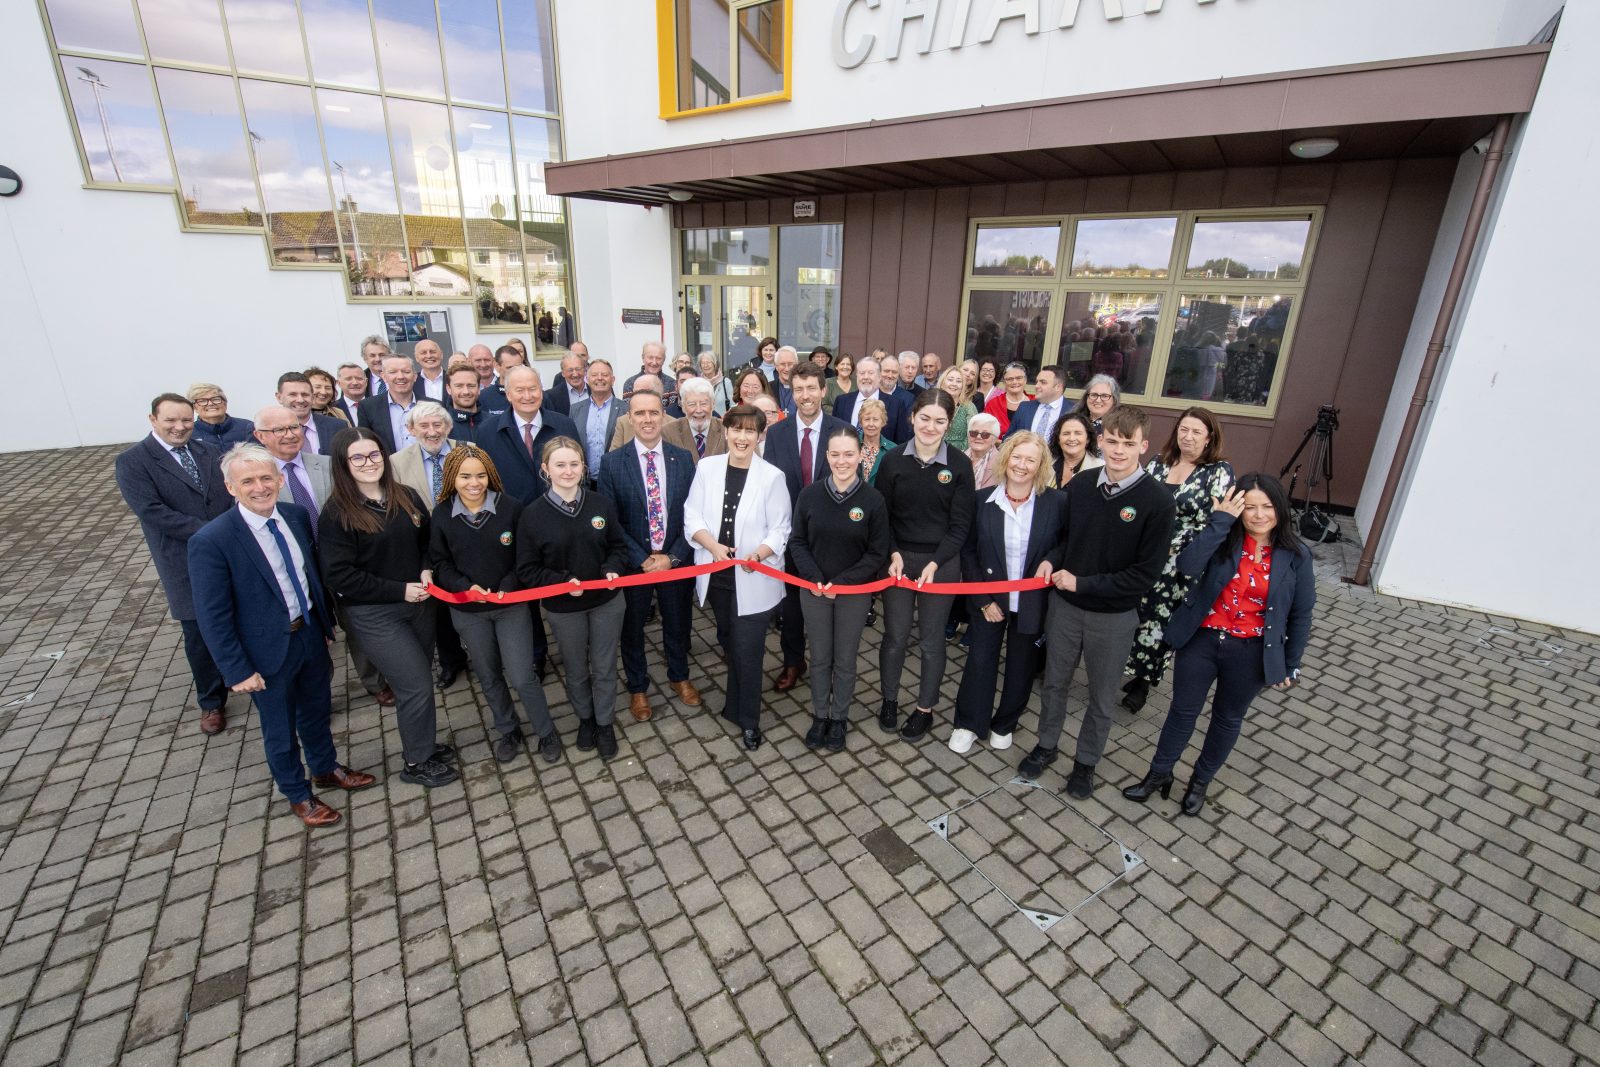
column 898, row 403
column 983, row 557
column 373, row 414
column 555, row 398
column 498, row 436
column 238, row 603
column 783, row 452
column 171, row 509
column 375, row 384
column 622, row 481
column 327, row 426
column 1022, row 419
column 351, row 409
column 1291, row 596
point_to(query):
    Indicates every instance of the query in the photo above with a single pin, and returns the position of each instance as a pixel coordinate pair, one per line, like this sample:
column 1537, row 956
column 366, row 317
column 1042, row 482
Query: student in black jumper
column 840, row 536
column 374, row 539
column 927, row 490
column 1014, row 527
column 572, row 534
column 1114, row 542
column 472, row 548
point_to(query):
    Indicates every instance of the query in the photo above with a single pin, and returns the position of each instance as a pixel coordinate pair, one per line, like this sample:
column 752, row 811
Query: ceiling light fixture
column 1314, row 147
column 682, row 196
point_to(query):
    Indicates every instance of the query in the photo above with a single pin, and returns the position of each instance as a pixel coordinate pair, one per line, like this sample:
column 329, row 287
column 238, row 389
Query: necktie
column 807, row 458
column 1108, row 489
column 301, row 491
column 288, row 565
column 700, row 444
column 527, row 441
column 436, row 466
column 653, row 509
column 187, row 461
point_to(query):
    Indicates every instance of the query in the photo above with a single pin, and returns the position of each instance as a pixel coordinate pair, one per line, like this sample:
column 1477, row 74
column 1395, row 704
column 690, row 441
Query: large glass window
column 723, row 53
column 1122, row 308
column 340, row 155
column 810, row 268
column 736, row 250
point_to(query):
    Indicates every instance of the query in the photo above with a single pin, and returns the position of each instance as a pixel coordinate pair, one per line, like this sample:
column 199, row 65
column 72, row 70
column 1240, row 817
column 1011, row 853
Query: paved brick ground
column 1400, row 868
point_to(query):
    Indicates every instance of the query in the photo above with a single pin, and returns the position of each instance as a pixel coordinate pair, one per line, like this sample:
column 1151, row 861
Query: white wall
column 1500, row 513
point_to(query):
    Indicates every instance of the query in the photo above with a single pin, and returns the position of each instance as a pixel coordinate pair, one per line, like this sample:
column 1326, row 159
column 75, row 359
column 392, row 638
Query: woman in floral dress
column 1192, row 468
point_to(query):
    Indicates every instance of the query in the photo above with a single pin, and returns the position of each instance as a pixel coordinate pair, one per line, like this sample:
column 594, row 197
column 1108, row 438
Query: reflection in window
column 365, row 210
column 472, row 51
column 214, row 176
column 544, row 231
column 1109, row 333
column 429, row 198
column 188, row 31
column 1262, row 249
column 1123, row 248
column 408, row 44
column 727, row 251
column 1007, row 324
column 1225, row 348
column 704, row 29
column 117, row 121
column 529, row 51
column 761, row 48
column 95, row 25
column 1016, row 250
column 266, row 37
column 282, row 130
column 810, row 266
column 339, row 34
column 488, row 197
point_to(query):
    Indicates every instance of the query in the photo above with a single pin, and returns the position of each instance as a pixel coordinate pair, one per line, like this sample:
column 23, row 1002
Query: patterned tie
column 288, row 565
column 301, row 491
column 527, row 441
column 436, row 466
column 187, row 462
column 653, row 509
column 808, row 460
column 700, row 444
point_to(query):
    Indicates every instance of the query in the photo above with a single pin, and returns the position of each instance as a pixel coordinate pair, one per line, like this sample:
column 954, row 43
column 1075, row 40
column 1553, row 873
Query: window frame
column 667, row 59
column 1171, row 291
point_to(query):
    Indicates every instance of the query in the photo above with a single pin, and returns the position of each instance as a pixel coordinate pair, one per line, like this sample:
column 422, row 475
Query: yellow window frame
column 667, row 59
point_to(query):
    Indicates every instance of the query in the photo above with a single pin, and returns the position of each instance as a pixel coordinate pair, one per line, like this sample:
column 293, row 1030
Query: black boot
column 1194, row 798
column 1150, row 784
column 889, row 717
column 1136, row 692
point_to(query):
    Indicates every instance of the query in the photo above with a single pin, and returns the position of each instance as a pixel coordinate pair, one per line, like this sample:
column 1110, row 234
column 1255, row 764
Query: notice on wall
column 641, row 317
column 805, row 209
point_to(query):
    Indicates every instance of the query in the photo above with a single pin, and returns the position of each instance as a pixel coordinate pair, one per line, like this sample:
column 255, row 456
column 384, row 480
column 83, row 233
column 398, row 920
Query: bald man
column 431, row 381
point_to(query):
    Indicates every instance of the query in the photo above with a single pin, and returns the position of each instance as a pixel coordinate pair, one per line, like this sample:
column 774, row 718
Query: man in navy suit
column 797, row 447
column 648, row 481
column 573, row 386
column 897, row 396
column 352, row 390
column 1047, row 406
column 294, row 393
column 268, row 621
column 174, row 487
column 847, row 407
column 385, row 414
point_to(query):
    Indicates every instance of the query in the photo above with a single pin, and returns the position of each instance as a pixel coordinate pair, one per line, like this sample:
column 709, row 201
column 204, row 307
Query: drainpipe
column 1420, row 398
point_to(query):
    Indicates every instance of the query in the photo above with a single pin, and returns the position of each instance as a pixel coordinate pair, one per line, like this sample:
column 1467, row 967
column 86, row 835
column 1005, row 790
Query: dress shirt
column 574, row 395
column 596, row 434
column 1019, row 521
column 644, row 479
column 269, row 548
column 537, row 423
column 862, row 398
column 397, row 421
column 1120, row 486
column 1044, row 417
column 800, row 429
column 433, row 388
column 299, row 472
column 173, row 452
column 308, row 435
column 350, row 408
column 429, row 458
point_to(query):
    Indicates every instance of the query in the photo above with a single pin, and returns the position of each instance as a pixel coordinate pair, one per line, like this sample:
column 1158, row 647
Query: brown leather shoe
column 640, row 706
column 686, row 693
column 385, row 697
column 788, row 678
column 344, row 778
column 212, row 721
column 314, row 813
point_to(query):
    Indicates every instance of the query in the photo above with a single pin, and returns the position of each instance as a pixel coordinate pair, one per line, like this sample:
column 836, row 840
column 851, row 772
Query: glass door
column 743, row 319
column 698, row 319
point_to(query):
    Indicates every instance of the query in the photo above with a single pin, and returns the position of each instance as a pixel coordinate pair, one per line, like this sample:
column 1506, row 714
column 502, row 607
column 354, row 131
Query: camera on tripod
column 1316, row 524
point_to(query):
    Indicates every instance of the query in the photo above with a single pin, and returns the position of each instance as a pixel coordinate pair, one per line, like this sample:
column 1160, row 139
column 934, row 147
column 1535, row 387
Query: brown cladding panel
column 1109, row 193
column 1065, row 197
column 888, row 211
column 735, row 213
column 1025, row 198
column 713, row 214
column 1197, row 190
column 759, row 213
column 916, row 246
column 947, row 269
column 857, row 269
column 1249, row 186
column 1152, row 192
column 1305, row 183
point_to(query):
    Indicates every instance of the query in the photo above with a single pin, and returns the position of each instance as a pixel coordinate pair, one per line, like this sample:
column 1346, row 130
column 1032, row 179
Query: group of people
column 359, row 495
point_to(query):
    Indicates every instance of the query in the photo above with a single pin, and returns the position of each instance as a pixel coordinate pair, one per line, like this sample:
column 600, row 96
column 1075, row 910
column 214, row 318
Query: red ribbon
column 678, row 574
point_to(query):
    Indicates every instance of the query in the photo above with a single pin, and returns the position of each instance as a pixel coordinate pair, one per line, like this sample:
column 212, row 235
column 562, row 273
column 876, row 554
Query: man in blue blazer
column 268, row 621
column 1047, row 406
column 626, row 475
column 173, row 486
column 797, row 447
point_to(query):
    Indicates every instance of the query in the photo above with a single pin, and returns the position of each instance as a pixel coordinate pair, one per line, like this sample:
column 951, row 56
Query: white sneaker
column 999, row 742
column 961, row 741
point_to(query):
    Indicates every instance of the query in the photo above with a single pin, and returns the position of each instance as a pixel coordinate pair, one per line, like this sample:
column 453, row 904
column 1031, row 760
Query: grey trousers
column 1103, row 641
column 399, row 638
column 498, row 640
column 371, row 680
column 933, row 611
column 833, row 628
column 588, row 641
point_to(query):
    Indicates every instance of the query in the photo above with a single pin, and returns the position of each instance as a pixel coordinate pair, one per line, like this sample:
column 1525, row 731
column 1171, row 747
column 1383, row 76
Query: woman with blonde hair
column 874, row 416
column 954, row 382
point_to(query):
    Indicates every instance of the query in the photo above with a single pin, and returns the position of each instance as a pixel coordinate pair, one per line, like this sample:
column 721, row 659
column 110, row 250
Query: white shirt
column 800, row 429
column 1118, row 487
column 269, row 548
column 1019, row 521
column 1044, row 417
column 537, row 422
column 433, row 388
column 173, row 452
column 661, row 475
column 855, row 412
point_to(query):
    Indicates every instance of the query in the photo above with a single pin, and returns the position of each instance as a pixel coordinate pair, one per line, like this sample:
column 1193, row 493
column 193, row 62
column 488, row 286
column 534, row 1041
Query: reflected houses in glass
column 282, row 131
column 1016, row 251
column 366, row 210
column 761, row 33
column 1124, row 248
column 215, row 180
column 430, row 199
column 489, row 203
column 118, row 123
column 1253, row 249
column 543, row 222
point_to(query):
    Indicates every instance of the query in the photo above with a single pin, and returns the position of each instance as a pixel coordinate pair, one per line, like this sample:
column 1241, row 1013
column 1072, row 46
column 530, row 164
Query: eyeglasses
column 368, row 459
column 979, row 435
column 211, row 402
column 1099, row 396
column 278, row 431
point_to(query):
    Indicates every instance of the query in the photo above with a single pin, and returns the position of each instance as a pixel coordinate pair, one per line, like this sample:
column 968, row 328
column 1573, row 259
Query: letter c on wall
column 850, row 58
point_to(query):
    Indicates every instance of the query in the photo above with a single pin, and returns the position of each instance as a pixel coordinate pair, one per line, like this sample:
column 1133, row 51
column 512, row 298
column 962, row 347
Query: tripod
column 1317, row 524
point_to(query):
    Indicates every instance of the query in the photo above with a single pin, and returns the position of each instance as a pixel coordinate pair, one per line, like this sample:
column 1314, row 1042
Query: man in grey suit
column 173, row 485
column 596, row 414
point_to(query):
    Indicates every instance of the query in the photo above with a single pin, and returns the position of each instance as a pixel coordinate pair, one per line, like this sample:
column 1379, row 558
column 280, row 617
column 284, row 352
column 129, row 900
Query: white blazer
column 762, row 519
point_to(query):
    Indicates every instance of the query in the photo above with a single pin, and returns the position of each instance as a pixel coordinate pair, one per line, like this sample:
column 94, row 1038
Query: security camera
column 1481, row 145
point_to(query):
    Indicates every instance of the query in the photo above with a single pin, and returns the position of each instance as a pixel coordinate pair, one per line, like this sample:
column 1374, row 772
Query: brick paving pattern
column 1399, row 867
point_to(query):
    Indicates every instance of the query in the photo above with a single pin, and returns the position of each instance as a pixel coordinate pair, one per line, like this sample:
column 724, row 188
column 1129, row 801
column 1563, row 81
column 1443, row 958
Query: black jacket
column 983, row 558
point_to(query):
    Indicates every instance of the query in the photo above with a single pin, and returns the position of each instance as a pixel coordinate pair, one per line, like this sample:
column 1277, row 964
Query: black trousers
column 677, row 612
column 746, row 646
column 209, row 690
column 792, row 628
column 1235, row 665
column 975, row 708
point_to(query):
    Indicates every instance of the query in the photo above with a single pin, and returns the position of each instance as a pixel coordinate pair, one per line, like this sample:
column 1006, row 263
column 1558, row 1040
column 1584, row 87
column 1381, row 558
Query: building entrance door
column 728, row 317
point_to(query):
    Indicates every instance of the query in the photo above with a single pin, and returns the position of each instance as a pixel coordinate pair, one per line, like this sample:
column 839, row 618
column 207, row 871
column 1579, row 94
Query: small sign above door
column 805, row 209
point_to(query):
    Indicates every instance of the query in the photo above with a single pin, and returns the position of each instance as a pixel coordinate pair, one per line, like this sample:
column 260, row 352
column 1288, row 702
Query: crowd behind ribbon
column 360, row 492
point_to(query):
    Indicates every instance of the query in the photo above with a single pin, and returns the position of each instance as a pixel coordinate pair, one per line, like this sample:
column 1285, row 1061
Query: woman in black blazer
column 1244, row 624
column 1021, row 512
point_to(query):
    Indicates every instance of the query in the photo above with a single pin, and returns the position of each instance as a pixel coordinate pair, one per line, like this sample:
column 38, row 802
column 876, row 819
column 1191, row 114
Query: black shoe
column 1137, row 692
column 918, row 723
column 1151, row 783
column 817, row 733
column 506, row 746
column 752, row 739
column 1194, row 798
column 550, row 747
column 605, row 739
column 951, row 629
column 1080, row 783
column 889, row 717
column 1035, row 762
column 429, row 773
column 446, row 677
column 585, row 735
column 835, row 740
column 444, row 754
column 872, row 615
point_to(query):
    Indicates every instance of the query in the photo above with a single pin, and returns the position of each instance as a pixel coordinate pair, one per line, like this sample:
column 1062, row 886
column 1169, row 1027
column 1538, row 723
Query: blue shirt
column 595, row 432
column 397, row 422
